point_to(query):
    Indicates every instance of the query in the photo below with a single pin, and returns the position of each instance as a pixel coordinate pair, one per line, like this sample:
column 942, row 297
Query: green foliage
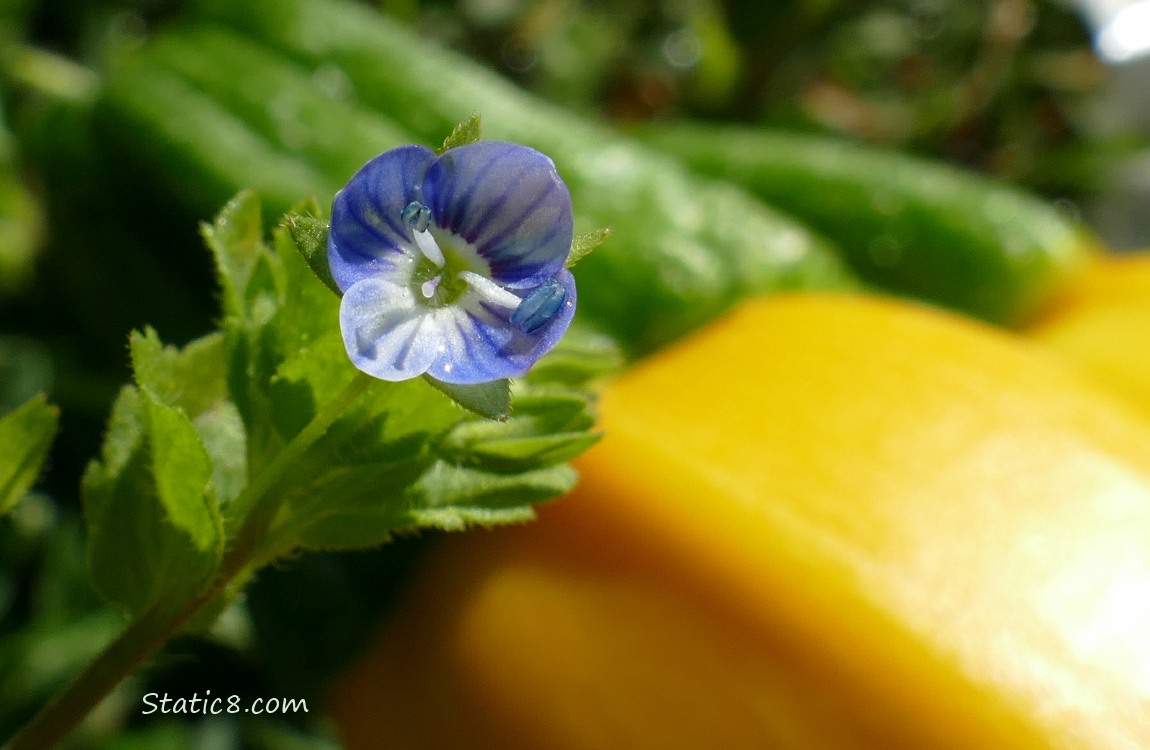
column 309, row 232
column 267, row 422
column 491, row 400
column 25, row 436
column 468, row 131
column 583, row 244
column 152, row 532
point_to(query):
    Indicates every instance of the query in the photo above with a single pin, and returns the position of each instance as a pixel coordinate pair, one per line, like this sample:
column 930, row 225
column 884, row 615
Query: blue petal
column 481, row 344
column 387, row 332
column 367, row 231
column 509, row 203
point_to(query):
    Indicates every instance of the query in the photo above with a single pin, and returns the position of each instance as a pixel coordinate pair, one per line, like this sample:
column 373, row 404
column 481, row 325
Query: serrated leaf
column 235, row 239
column 26, row 434
column 194, row 380
column 252, row 287
column 309, row 310
column 445, row 497
column 182, row 471
column 491, row 399
column 468, row 131
column 369, row 511
column 451, row 497
column 583, row 244
column 580, row 356
column 309, row 234
column 152, row 501
column 548, row 426
column 136, row 554
column 519, row 453
column 537, row 413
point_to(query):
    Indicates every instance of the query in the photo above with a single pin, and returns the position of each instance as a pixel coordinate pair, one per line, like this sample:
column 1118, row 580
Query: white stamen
column 428, row 287
column 490, row 291
column 429, row 247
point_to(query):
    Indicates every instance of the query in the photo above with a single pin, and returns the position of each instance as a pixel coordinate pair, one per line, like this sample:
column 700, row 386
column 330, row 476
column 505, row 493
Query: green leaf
column 252, row 284
column 308, row 232
column 548, row 426
column 25, row 437
column 308, row 311
column 468, row 131
column 582, row 355
column 183, row 475
column 446, row 497
column 453, row 497
column 491, row 399
column 583, row 244
column 235, row 240
column 519, row 453
column 194, row 380
column 152, row 501
column 126, row 535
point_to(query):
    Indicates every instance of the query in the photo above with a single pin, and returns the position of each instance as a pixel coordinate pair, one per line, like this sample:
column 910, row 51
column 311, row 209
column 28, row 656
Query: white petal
column 387, row 332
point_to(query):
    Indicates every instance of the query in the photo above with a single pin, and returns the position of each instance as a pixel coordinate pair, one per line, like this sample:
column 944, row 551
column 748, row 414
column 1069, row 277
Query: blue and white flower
column 453, row 266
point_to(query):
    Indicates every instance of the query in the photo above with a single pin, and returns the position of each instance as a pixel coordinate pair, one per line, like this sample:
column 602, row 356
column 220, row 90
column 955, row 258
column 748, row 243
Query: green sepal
column 26, row 434
column 583, row 244
column 468, row 131
column 308, row 232
column 491, row 399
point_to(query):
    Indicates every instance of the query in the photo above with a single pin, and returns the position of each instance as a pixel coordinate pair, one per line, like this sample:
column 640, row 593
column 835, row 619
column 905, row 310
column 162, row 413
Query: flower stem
column 153, row 627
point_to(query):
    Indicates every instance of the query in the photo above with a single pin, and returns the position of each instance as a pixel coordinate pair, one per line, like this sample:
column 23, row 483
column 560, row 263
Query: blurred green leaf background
column 90, row 250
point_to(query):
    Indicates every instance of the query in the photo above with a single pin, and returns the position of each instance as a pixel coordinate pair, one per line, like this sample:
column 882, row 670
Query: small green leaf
column 520, row 453
column 468, row 131
column 548, row 426
column 152, row 500
column 235, row 240
column 491, row 399
column 25, row 437
column 452, row 497
column 580, row 356
column 583, row 244
column 446, row 497
column 125, row 556
column 308, row 310
column 183, row 474
column 309, row 233
column 194, row 380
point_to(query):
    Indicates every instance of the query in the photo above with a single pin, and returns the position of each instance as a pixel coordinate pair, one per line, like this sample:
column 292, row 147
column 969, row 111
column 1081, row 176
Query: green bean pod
column 908, row 225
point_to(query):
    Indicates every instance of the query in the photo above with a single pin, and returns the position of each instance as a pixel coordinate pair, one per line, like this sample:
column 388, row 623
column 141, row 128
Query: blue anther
column 540, row 307
column 416, row 215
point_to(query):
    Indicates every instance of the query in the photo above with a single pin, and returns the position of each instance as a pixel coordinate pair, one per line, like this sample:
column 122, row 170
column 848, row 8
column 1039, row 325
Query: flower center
column 446, row 272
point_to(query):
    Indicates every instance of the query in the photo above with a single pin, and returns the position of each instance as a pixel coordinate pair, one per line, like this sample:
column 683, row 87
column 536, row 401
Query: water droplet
column 682, row 49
